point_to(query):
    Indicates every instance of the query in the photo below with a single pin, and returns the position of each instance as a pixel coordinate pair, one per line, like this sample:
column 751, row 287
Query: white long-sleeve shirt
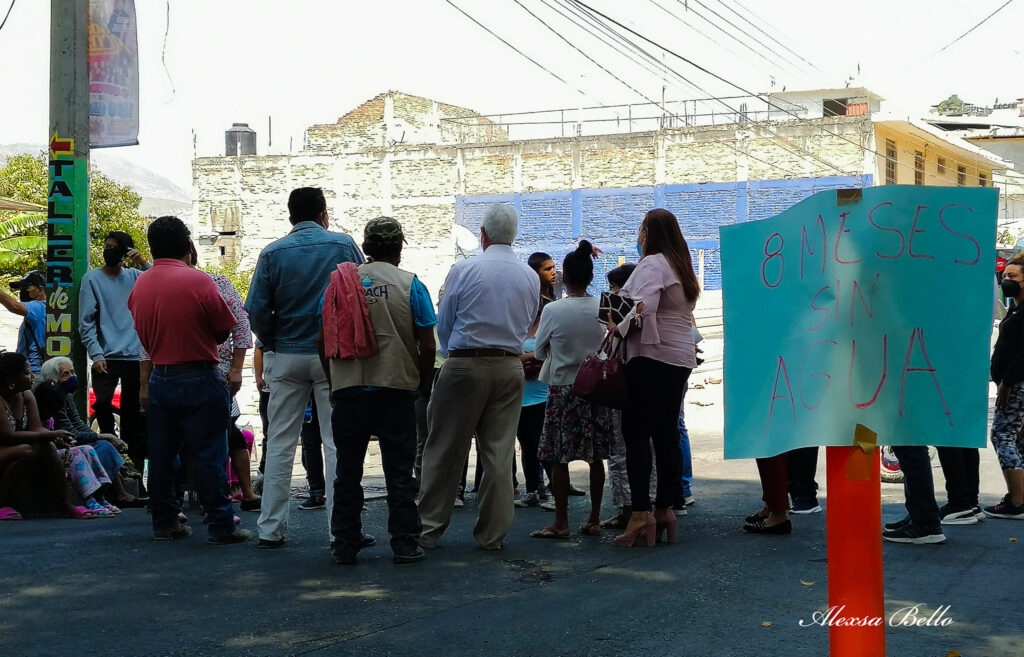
column 490, row 301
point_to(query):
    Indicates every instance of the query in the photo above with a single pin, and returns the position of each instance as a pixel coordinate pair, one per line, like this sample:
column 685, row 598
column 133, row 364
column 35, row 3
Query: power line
column 722, row 79
column 767, row 34
column 698, row 31
column 7, row 15
column 577, row 49
column 741, row 30
column 982, row 22
column 489, row 31
column 802, row 152
column 618, row 36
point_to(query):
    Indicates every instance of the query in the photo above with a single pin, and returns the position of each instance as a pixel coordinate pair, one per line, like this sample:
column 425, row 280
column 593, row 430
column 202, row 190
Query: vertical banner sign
column 113, row 74
column 69, row 191
column 868, row 307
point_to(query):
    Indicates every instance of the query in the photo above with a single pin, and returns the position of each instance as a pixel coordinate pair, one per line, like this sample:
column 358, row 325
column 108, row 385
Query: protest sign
column 869, row 307
column 113, row 74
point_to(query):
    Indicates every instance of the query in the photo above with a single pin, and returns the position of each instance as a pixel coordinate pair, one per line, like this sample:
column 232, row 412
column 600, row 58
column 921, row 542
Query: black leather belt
column 194, row 365
column 481, row 353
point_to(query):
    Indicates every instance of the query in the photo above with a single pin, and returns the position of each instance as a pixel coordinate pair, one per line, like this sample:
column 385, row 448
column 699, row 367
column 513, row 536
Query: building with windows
column 571, row 174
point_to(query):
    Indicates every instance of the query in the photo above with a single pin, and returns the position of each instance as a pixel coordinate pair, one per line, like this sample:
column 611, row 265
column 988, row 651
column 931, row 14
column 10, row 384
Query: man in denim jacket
column 290, row 278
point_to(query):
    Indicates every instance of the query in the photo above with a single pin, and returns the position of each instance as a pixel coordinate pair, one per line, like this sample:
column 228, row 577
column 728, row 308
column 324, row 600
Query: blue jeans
column 188, row 411
column 684, row 447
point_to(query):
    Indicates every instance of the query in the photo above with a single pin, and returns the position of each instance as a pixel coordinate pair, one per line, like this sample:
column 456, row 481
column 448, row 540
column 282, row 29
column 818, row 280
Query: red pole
column 854, row 547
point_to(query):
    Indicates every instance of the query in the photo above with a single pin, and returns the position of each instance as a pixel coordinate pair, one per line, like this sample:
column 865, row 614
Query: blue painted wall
column 554, row 222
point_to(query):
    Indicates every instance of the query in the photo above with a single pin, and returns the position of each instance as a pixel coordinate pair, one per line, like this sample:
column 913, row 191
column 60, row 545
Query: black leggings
column 652, row 414
column 531, row 423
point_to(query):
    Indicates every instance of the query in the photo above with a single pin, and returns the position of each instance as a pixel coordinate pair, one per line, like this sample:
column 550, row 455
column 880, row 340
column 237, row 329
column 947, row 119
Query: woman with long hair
column 575, row 429
column 660, row 354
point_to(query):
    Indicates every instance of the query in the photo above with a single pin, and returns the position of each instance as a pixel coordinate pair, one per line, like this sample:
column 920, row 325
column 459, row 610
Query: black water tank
column 240, row 139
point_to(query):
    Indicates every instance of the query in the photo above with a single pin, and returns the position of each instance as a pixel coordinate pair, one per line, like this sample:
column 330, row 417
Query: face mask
column 113, row 256
column 639, row 250
column 1010, row 288
column 69, row 385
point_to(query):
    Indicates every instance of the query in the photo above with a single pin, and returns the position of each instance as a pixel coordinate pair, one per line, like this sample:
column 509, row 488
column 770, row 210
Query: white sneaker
column 548, row 506
column 459, row 503
column 689, row 501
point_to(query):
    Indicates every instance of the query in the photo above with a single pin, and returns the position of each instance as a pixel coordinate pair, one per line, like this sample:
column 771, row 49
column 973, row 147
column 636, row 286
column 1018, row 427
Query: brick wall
column 397, row 155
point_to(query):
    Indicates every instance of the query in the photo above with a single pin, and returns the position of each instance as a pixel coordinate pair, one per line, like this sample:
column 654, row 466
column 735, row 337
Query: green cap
column 383, row 229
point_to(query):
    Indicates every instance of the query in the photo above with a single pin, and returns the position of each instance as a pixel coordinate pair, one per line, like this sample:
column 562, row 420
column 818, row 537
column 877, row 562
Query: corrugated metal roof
column 20, row 206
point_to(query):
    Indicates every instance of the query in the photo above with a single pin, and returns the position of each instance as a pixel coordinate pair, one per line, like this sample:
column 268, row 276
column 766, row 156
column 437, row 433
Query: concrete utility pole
column 67, row 224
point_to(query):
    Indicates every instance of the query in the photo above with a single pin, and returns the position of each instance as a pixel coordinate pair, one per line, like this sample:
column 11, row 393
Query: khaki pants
column 292, row 378
column 481, row 395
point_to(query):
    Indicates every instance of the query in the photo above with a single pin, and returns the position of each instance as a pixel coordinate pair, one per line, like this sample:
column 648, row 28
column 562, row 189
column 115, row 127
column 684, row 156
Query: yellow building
column 916, row 153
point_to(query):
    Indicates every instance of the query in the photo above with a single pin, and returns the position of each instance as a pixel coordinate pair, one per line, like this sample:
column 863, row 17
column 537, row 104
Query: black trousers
column 265, row 421
column 125, row 372
column 531, row 423
column 918, row 486
column 801, row 464
column 652, row 416
column 312, row 454
column 960, row 469
column 391, row 416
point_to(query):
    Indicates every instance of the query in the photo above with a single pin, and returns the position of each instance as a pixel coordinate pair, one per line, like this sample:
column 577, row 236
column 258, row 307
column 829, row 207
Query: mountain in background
column 159, row 195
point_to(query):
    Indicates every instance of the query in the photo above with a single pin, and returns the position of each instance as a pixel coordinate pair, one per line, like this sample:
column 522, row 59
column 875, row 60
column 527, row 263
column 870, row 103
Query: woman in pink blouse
column 660, row 356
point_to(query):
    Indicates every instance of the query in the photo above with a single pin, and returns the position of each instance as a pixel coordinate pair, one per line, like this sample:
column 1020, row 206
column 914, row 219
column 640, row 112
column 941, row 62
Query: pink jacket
column 347, row 329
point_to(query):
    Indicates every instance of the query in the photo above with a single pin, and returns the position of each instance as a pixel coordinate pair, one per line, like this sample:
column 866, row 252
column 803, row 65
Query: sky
column 305, row 62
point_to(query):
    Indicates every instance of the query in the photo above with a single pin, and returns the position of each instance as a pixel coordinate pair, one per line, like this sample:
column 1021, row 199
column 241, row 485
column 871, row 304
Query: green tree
column 952, row 105
column 240, row 278
column 112, row 206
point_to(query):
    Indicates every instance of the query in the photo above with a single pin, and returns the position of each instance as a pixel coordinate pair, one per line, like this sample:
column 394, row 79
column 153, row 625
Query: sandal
column 9, row 513
column 80, row 513
column 110, row 507
column 98, row 510
column 591, row 529
column 550, row 532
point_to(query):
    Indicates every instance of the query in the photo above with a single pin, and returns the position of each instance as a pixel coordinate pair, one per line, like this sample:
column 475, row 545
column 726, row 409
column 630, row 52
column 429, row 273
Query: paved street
column 710, row 594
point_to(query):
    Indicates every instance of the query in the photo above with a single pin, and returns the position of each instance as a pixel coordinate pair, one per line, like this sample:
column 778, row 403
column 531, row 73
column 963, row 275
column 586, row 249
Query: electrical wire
column 767, row 34
column 7, row 15
column 577, row 49
column 163, row 54
column 523, row 54
column 979, row 24
column 800, row 151
column 741, row 31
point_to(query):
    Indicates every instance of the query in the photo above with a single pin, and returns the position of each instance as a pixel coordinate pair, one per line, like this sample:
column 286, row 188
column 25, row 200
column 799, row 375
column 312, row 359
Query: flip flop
column 9, row 513
column 548, row 532
column 591, row 529
column 80, row 513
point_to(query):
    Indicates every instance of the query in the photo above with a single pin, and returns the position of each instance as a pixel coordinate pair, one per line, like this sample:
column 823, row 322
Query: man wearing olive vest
column 375, row 395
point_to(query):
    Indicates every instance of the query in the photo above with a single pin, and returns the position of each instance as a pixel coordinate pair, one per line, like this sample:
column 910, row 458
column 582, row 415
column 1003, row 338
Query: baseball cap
column 384, row 229
column 31, row 278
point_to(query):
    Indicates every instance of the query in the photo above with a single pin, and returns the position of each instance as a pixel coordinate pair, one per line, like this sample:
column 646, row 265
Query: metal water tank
column 239, row 139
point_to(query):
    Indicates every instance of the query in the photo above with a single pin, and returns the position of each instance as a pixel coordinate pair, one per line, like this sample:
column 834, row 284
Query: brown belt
column 481, row 353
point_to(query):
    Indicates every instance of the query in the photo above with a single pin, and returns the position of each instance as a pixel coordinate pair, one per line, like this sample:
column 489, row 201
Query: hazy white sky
column 310, row 61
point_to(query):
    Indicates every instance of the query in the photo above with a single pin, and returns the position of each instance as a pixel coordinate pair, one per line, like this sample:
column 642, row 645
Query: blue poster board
column 868, row 307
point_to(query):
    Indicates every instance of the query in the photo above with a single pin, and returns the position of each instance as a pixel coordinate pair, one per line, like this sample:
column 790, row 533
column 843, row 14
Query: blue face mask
column 69, row 385
column 639, row 250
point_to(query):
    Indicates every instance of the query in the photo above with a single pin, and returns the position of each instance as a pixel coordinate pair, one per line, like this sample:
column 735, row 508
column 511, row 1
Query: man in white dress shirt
column 489, row 304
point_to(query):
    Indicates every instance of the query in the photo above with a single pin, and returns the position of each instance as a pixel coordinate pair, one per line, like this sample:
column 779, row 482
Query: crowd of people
column 349, row 346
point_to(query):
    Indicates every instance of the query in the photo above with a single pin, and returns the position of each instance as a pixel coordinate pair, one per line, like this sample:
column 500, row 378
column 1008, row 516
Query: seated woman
column 22, row 433
column 87, row 470
column 111, row 449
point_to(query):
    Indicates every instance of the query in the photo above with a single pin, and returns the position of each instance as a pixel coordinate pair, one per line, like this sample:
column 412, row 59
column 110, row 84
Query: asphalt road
column 79, row 588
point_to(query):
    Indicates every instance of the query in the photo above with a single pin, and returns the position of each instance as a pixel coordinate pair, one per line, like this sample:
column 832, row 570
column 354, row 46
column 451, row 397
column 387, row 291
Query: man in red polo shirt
column 180, row 318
